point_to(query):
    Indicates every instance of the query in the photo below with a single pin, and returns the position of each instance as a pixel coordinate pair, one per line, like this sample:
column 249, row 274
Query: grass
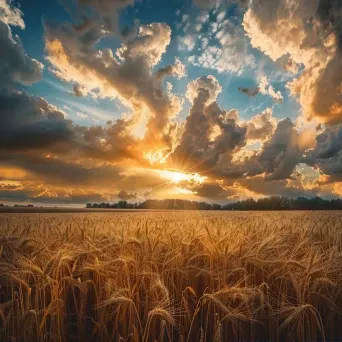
column 171, row 276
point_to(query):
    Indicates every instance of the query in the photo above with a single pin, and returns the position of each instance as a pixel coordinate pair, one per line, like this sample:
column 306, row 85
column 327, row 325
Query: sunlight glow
column 177, row 177
column 156, row 157
column 182, row 191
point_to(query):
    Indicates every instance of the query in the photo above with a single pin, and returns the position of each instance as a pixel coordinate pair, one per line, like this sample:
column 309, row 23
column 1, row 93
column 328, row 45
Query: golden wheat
column 171, row 276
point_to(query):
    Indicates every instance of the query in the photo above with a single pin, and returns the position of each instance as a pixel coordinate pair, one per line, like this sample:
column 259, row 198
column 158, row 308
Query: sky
column 205, row 100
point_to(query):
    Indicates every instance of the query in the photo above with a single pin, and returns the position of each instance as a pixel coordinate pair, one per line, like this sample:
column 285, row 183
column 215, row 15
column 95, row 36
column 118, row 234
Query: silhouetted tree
column 268, row 203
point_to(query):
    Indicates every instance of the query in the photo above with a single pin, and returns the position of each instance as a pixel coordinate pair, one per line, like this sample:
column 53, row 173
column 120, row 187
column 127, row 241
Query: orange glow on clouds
column 12, row 173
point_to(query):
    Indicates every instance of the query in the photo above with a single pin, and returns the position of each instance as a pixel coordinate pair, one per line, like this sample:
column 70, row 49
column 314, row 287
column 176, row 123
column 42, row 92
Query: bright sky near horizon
column 209, row 100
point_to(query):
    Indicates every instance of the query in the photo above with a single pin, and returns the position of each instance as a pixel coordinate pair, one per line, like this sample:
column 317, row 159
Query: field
column 171, row 276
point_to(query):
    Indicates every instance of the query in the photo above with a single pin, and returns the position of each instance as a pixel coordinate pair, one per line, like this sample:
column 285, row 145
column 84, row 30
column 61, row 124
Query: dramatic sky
column 102, row 100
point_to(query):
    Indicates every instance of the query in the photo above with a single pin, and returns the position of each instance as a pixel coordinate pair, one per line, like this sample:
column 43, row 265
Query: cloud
column 196, row 149
column 261, row 186
column 310, row 36
column 16, row 65
column 209, row 83
column 188, row 42
column 149, row 45
column 55, row 157
column 329, row 142
column 125, row 196
column 177, row 70
column 72, row 152
column 214, row 41
column 54, row 171
column 266, row 89
column 27, row 122
column 326, row 156
column 30, row 122
column 288, row 64
column 279, row 155
column 113, row 142
column 130, row 76
column 261, row 126
column 45, row 157
column 79, row 90
column 11, row 15
column 211, row 190
column 65, row 177
column 35, row 192
column 213, row 138
column 225, row 49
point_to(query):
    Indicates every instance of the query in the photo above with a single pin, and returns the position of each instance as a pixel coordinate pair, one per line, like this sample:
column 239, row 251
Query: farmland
column 171, row 276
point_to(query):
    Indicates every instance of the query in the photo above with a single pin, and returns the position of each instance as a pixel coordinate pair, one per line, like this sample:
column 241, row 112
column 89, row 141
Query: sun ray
column 176, row 177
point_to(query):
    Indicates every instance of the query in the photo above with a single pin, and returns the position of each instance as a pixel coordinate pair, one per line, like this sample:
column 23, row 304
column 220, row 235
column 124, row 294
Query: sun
column 177, row 177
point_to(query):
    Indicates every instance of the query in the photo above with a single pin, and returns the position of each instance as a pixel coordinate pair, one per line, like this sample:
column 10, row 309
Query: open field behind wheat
column 171, row 276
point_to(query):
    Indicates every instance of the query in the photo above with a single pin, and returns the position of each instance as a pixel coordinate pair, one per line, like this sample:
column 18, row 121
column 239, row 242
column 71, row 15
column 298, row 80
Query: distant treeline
column 18, row 206
column 270, row 203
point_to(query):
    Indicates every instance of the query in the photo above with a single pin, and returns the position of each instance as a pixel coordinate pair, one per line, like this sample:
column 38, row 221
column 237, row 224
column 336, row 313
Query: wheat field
column 171, row 276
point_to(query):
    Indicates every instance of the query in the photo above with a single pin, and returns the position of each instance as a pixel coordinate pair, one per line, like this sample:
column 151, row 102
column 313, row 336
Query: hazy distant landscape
column 171, row 276
column 263, row 204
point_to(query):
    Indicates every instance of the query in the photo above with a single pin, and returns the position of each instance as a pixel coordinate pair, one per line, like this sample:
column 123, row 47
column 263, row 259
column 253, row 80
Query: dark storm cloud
column 55, row 171
column 279, row 155
column 26, row 121
column 330, row 14
column 15, row 65
column 30, row 122
column 332, row 168
column 211, row 190
column 327, row 155
column 259, row 185
column 329, row 96
column 17, row 194
column 329, row 142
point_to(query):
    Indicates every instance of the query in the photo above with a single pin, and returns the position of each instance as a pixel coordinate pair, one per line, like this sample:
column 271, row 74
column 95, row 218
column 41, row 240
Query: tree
column 268, row 203
column 122, row 204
